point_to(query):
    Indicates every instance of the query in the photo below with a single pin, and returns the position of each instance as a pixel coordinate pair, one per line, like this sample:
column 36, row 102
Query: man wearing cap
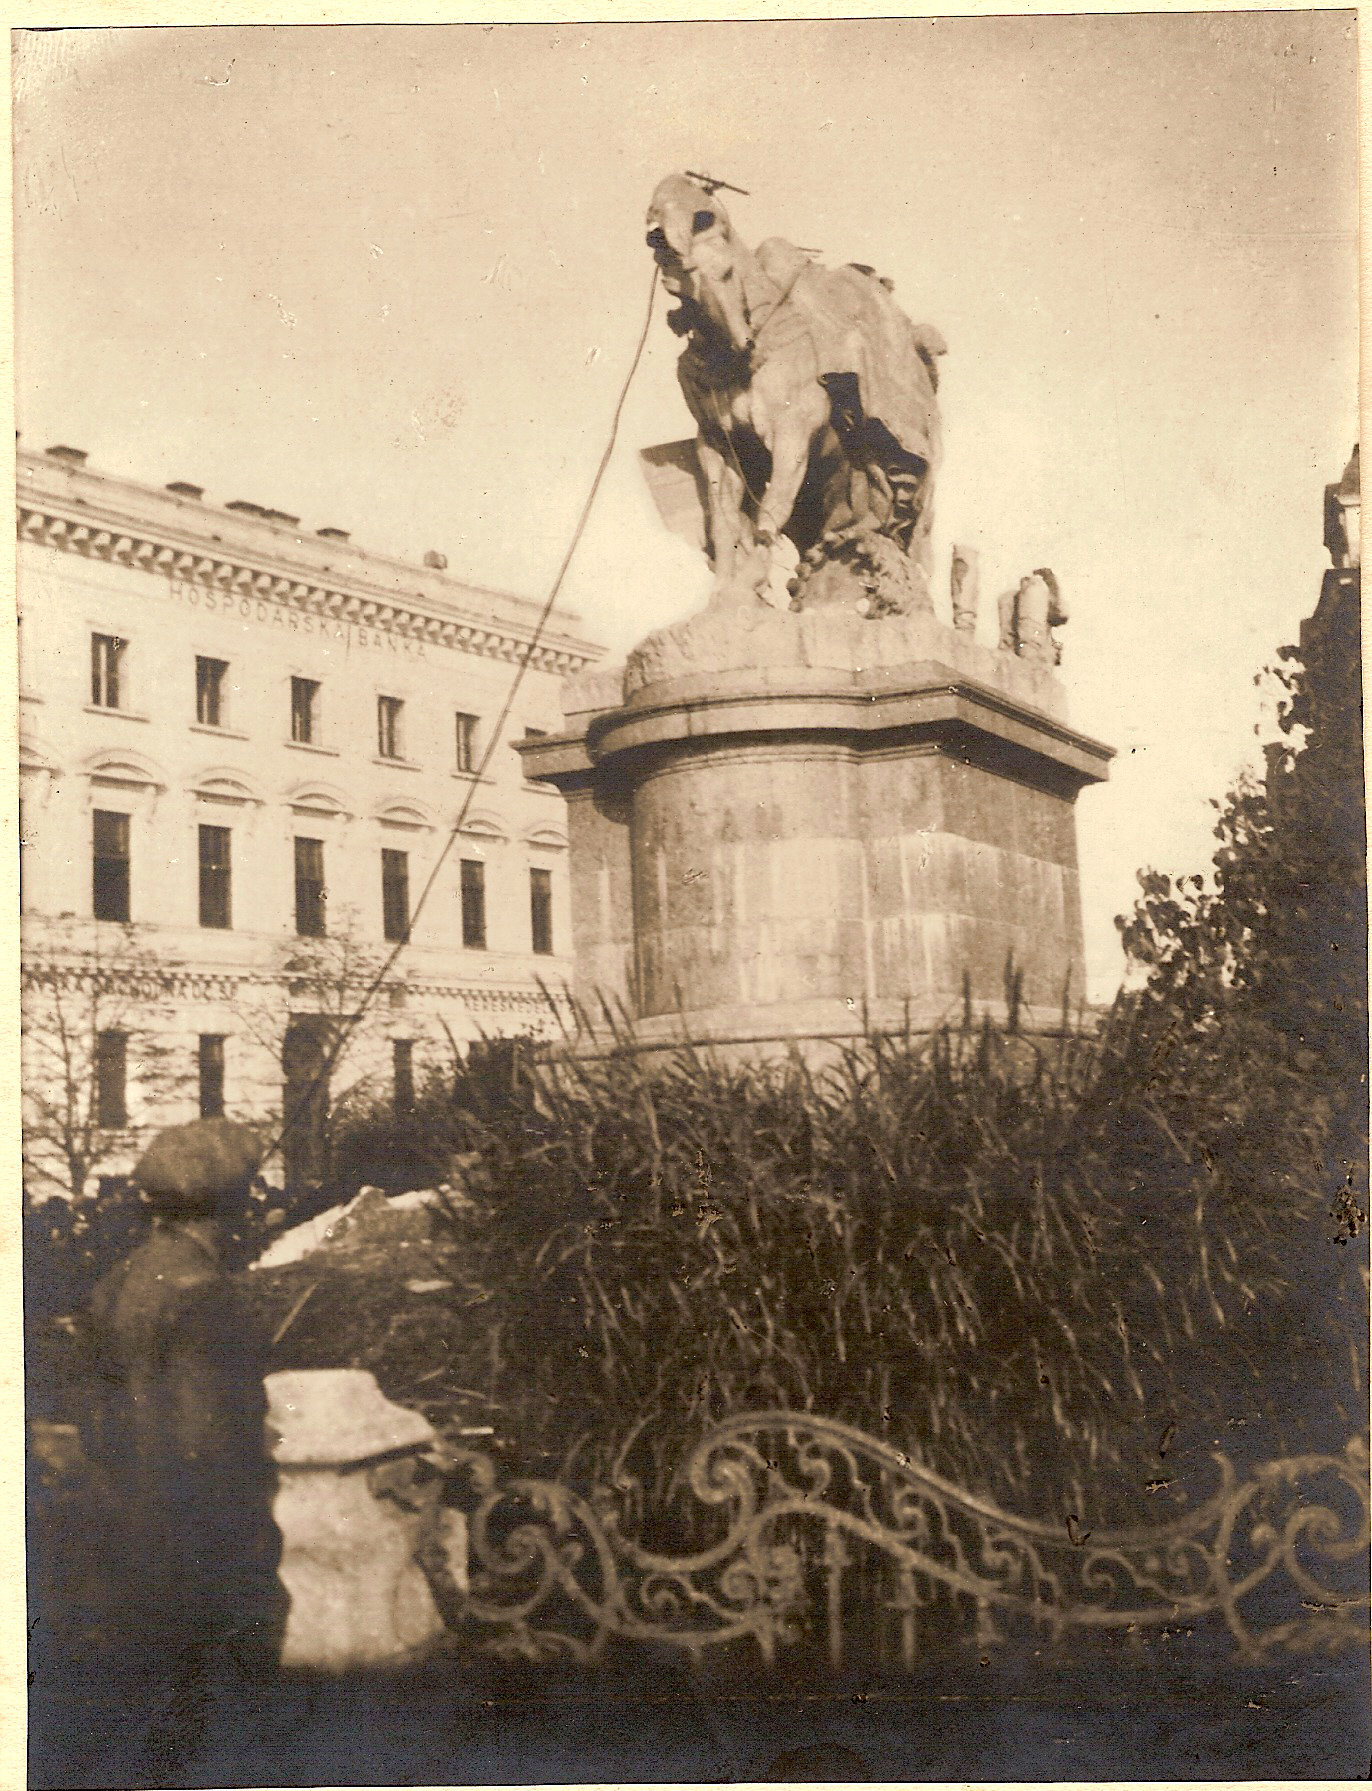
column 180, row 1430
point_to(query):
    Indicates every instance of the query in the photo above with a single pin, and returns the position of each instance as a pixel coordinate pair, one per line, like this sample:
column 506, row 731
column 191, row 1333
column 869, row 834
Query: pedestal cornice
column 885, row 707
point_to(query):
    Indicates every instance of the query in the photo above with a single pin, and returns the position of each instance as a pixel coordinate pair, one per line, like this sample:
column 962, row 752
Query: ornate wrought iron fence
column 803, row 1510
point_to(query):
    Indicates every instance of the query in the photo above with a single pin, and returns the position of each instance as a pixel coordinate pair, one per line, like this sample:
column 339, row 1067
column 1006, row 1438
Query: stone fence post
column 359, row 1491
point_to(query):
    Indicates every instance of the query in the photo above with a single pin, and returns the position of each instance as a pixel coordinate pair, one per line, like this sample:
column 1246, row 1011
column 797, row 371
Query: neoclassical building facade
column 244, row 748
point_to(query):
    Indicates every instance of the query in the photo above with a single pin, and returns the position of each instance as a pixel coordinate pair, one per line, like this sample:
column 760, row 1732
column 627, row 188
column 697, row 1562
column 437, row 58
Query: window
column 110, row 866
column 107, row 664
column 473, row 903
column 310, row 894
column 395, row 893
column 541, row 909
column 211, row 1075
column 402, row 1070
column 388, row 712
column 304, row 710
column 111, row 1079
column 215, row 910
column 209, row 691
column 466, row 742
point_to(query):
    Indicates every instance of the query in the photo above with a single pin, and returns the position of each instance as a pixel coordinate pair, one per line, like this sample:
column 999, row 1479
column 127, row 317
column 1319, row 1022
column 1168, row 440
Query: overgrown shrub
column 1024, row 1267
column 373, row 1145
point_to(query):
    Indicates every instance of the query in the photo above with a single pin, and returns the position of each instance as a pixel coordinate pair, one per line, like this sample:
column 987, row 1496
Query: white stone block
column 358, row 1596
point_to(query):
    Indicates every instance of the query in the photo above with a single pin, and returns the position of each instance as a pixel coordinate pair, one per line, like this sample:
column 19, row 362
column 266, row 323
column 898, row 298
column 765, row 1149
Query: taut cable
column 351, row 1022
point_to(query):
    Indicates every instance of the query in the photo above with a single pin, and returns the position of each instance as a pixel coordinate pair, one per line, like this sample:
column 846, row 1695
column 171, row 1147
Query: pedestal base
column 871, row 821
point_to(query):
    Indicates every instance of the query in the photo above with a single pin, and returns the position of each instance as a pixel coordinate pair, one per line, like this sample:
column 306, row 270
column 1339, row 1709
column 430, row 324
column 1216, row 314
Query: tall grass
column 1020, row 1264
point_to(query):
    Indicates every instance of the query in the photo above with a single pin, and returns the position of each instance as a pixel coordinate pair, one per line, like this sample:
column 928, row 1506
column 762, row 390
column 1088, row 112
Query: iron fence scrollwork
column 798, row 1510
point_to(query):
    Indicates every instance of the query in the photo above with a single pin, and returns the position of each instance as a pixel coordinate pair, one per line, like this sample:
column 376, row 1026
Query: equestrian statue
column 815, row 400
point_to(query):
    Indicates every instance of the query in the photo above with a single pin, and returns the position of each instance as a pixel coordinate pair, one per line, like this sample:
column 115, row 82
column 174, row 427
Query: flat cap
column 206, row 1160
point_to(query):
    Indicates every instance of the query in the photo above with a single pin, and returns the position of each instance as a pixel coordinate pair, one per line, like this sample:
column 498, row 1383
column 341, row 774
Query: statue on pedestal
column 816, row 403
column 1028, row 616
column 964, row 582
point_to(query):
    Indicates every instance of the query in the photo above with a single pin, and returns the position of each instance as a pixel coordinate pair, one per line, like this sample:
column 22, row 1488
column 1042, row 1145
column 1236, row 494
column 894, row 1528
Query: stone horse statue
column 816, row 403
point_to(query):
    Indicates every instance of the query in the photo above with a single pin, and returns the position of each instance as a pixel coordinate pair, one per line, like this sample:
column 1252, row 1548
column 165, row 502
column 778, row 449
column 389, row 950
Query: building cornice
column 93, row 524
column 59, row 950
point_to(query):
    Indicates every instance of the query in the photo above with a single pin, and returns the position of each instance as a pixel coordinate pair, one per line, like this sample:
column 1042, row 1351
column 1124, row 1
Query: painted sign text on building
column 293, row 621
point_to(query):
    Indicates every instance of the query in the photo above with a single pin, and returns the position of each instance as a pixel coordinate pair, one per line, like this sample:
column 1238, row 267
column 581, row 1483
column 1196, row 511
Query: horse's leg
column 787, row 430
column 730, row 530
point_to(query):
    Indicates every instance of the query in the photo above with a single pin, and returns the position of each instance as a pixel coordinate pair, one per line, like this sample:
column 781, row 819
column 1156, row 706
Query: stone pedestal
column 795, row 825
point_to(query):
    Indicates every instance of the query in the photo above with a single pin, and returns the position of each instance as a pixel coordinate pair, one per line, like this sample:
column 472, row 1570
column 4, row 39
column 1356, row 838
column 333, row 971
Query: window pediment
column 321, row 801
column 36, row 760
column 226, row 786
column 124, row 770
column 411, row 816
column 484, row 824
column 549, row 839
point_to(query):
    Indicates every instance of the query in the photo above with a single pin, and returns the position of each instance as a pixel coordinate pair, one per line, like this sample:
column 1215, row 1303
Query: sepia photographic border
column 131, row 13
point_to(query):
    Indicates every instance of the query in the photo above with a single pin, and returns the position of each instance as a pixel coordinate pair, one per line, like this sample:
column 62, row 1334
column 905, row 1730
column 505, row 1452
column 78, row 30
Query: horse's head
column 702, row 261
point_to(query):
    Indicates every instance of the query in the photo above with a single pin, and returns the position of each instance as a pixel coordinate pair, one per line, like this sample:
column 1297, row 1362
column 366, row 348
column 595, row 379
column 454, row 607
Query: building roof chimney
column 245, row 508
column 333, row 534
column 282, row 516
column 73, row 456
column 180, row 488
column 437, row 561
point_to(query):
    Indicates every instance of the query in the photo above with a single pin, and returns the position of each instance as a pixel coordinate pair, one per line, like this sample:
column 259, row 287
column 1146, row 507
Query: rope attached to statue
column 348, row 1026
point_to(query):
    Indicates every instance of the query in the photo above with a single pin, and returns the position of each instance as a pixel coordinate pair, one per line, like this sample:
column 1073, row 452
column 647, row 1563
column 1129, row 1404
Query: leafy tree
column 1254, row 1007
column 1264, row 961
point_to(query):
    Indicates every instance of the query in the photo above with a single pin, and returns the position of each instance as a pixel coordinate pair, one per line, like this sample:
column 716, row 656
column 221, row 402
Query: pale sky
column 390, row 279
